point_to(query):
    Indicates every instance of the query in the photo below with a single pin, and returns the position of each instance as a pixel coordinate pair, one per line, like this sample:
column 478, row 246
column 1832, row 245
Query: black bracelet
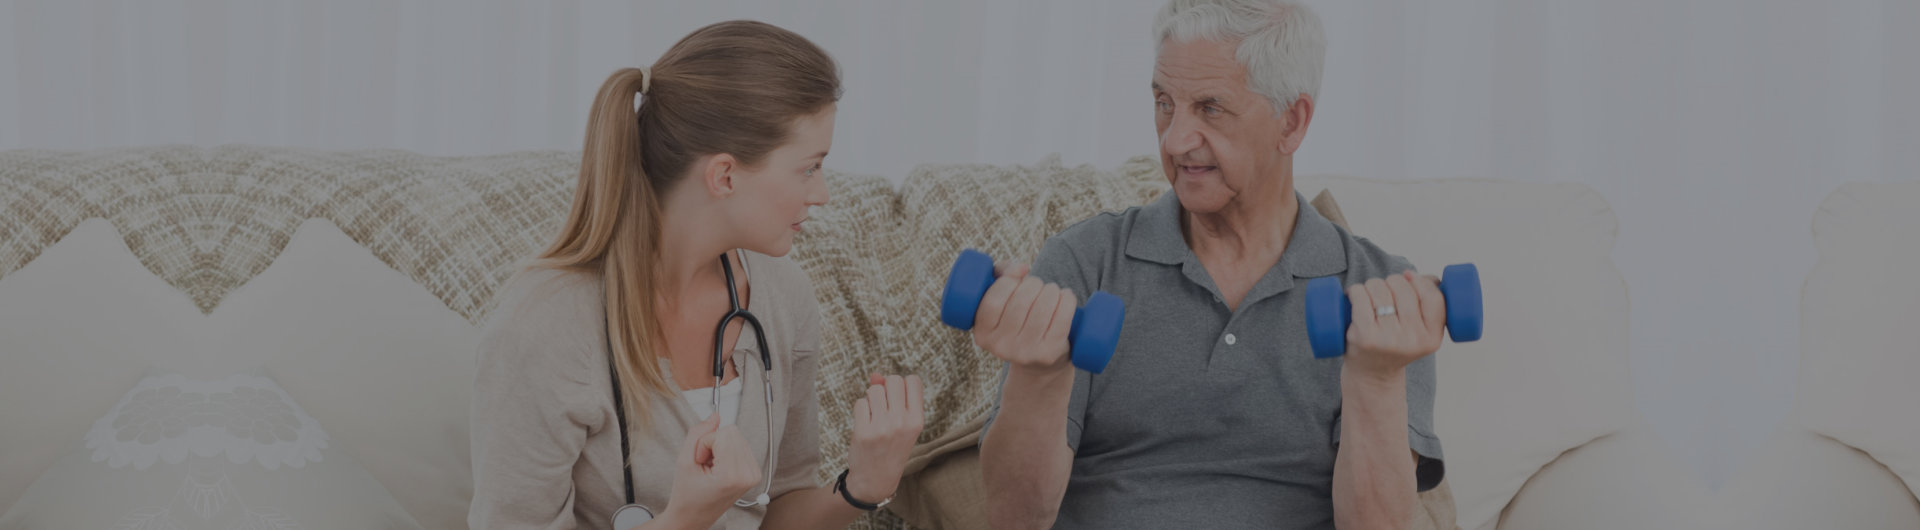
column 840, row 486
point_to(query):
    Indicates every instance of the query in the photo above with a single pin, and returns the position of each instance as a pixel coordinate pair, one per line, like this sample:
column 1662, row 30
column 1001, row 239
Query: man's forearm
column 1025, row 460
column 1373, row 474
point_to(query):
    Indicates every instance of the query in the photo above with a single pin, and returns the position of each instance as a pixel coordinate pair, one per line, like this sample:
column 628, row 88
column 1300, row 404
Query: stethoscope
column 632, row 514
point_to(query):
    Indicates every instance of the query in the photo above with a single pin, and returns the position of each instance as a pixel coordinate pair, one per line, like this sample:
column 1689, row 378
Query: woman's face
column 770, row 202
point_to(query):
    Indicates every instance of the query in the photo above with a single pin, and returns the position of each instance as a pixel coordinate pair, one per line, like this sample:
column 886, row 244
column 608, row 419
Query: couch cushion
column 372, row 324
column 374, row 356
column 234, row 452
column 78, row 326
column 384, row 363
column 1803, row 480
column 1858, row 310
column 1627, row 479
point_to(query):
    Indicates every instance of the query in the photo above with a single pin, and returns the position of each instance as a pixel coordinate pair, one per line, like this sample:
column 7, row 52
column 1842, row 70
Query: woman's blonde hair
column 733, row 87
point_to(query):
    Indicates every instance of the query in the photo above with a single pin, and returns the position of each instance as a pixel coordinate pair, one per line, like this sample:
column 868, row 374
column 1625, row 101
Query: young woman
column 656, row 363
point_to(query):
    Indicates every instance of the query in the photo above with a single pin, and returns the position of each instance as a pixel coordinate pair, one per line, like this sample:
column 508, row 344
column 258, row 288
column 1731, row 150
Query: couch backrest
column 428, row 240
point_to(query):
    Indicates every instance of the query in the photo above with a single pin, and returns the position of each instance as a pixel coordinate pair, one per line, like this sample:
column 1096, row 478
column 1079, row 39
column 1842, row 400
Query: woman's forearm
column 810, row 509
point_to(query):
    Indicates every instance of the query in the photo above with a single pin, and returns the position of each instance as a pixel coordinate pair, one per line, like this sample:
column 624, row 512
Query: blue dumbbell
column 1329, row 312
column 1096, row 326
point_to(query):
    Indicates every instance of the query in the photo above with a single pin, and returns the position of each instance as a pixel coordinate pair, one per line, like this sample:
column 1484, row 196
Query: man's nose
column 1181, row 135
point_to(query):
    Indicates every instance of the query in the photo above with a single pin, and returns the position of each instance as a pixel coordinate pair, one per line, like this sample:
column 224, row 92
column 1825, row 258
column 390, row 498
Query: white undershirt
column 701, row 399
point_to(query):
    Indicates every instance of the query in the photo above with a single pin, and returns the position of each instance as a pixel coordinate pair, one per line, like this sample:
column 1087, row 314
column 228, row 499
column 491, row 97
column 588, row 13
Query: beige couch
column 355, row 281
column 1849, row 455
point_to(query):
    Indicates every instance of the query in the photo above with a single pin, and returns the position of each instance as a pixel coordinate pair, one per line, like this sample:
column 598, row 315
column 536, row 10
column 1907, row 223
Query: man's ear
column 1297, row 118
column 716, row 174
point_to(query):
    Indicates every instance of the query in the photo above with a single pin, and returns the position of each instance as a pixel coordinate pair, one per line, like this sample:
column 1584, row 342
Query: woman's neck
column 691, row 243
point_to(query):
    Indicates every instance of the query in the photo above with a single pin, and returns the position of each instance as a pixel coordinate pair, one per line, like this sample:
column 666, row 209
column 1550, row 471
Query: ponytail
column 732, row 87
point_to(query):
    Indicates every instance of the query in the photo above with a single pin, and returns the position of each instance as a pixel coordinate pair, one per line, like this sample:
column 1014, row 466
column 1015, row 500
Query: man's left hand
column 1396, row 321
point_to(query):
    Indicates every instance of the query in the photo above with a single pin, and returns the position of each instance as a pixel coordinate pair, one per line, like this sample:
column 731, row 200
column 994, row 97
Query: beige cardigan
column 546, row 446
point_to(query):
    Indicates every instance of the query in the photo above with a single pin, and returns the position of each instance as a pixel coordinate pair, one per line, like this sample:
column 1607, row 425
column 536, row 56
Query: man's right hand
column 1025, row 321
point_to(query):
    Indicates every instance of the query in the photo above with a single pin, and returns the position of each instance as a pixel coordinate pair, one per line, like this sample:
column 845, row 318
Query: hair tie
column 646, row 78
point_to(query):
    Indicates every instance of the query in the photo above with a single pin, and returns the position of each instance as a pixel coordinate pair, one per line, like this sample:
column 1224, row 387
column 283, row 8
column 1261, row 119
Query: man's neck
column 1238, row 244
column 1249, row 228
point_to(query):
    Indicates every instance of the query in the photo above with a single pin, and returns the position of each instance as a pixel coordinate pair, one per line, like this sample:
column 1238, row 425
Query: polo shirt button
column 1231, row 339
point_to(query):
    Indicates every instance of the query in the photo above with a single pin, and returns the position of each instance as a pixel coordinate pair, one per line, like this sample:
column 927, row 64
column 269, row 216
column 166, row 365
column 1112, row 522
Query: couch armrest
column 1805, row 480
column 1625, row 480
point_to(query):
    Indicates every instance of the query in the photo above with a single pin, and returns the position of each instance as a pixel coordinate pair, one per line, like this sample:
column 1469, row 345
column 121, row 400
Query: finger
column 1019, row 271
column 1433, row 304
column 862, row 416
column 703, row 450
column 1019, row 304
column 877, row 402
column 1041, row 316
column 1001, row 270
column 1061, row 324
column 1406, row 302
column 1382, row 296
column 695, row 433
column 896, row 400
column 987, row 317
column 875, row 378
column 1364, row 324
column 916, row 404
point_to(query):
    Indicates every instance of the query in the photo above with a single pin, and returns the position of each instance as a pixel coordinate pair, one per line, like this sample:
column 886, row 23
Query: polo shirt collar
column 1315, row 249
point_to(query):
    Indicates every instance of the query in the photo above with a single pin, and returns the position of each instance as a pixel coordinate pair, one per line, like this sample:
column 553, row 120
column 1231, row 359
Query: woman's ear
column 716, row 174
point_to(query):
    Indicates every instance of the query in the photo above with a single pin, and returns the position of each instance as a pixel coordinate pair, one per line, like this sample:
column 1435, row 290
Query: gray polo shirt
column 1205, row 417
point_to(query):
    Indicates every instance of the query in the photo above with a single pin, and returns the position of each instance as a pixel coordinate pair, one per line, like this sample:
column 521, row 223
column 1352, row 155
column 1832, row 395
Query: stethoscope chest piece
column 630, row 516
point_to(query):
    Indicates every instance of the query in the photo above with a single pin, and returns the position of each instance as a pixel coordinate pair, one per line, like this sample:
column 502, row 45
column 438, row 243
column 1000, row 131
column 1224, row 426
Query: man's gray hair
column 1281, row 43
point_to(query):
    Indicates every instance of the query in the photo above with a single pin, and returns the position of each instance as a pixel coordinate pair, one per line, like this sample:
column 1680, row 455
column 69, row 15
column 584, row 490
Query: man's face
column 1218, row 138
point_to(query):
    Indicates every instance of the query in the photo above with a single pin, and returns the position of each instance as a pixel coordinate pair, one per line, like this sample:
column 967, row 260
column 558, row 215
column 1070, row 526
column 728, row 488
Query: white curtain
column 1714, row 127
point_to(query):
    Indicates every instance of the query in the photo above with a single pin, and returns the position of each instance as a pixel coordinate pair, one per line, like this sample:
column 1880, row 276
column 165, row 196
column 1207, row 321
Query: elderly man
column 1213, row 412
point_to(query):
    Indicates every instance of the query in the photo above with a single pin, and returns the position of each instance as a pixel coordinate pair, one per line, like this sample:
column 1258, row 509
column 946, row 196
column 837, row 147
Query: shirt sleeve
column 531, row 402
